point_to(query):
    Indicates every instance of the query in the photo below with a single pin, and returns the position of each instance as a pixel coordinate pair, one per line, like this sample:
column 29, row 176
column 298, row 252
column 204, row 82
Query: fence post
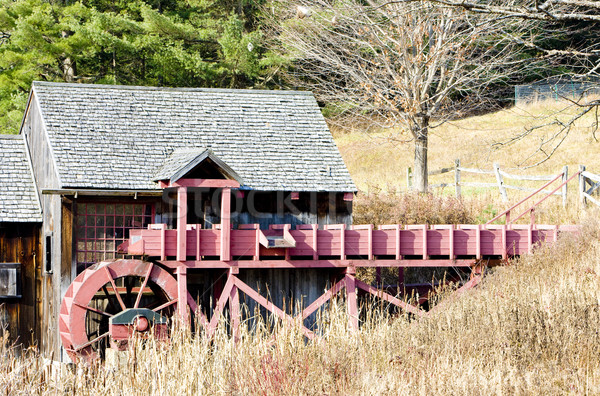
column 565, row 177
column 582, row 184
column 409, row 178
column 457, row 177
column 500, row 182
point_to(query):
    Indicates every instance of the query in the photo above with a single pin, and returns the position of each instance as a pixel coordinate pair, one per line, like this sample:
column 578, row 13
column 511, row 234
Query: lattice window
column 102, row 227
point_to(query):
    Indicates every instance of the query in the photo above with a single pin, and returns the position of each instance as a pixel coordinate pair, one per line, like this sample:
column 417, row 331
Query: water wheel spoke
column 87, row 344
column 96, row 310
column 112, row 283
column 143, row 286
column 163, row 306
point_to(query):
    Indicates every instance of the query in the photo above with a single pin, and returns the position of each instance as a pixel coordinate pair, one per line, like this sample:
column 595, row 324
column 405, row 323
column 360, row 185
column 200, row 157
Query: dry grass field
column 530, row 328
column 377, row 163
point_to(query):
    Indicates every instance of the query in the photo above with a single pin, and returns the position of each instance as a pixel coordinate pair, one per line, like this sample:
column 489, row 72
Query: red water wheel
column 110, row 301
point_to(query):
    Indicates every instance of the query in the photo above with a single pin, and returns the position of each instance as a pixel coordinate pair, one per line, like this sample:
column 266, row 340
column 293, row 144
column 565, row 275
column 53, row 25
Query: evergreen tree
column 193, row 43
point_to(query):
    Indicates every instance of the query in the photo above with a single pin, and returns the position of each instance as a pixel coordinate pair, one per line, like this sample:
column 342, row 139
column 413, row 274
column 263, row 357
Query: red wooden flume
column 163, row 279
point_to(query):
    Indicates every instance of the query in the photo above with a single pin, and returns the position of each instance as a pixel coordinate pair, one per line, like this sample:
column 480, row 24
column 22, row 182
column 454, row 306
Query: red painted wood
column 182, row 308
column 215, row 183
column 181, row 223
column 351, row 301
column 359, row 244
column 234, row 312
column 323, row 299
column 266, row 263
column 389, row 298
column 225, row 251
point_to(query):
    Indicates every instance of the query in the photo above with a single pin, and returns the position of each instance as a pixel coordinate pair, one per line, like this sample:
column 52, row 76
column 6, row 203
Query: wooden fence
column 501, row 177
column 589, row 184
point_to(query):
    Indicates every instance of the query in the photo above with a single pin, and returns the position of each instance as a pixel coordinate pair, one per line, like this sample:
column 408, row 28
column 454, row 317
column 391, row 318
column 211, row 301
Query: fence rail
column 500, row 183
column 589, row 183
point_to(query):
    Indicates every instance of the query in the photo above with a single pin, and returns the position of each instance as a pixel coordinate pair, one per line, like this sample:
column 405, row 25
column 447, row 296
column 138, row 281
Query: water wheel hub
column 135, row 320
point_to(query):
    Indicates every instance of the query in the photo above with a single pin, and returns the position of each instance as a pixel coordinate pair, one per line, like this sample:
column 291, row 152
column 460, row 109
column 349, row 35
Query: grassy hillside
column 377, row 163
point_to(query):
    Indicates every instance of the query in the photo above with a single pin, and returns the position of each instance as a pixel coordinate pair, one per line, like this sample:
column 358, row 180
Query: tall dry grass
column 529, row 328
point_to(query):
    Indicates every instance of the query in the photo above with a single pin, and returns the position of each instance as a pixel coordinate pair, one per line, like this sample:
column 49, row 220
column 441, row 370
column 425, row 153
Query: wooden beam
column 182, row 294
column 225, row 224
column 215, row 183
column 181, row 223
column 257, row 264
column 351, row 301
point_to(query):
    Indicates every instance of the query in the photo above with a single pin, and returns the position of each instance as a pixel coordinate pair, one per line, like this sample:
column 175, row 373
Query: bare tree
column 407, row 65
column 581, row 58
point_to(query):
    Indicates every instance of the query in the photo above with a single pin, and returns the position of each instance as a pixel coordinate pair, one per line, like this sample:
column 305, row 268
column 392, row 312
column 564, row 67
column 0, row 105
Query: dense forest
column 190, row 43
column 177, row 43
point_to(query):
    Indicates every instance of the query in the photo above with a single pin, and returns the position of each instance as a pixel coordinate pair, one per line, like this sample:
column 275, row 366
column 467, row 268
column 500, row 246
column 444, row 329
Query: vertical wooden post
column 478, row 241
column 182, row 292
column 234, row 312
column 315, row 229
column 500, row 182
column 409, row 178
column 342, row 241
column 198, row 255
column 565, row 177
column 225, row 224
column 181, row 223
column 370, row 240
column 457, row 177
column 425, row 255
column 351, row 298
column 451, row 242
column 582, row 184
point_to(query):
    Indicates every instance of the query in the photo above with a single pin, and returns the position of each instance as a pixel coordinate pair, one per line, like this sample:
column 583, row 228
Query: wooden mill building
column 88, row 165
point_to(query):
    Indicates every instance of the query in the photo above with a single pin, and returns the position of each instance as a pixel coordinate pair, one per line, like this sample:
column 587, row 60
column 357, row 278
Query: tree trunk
column 420, row 130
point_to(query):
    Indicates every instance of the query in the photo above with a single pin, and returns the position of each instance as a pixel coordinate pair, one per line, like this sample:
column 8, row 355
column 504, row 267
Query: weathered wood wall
column 25, row 316
column 58, row 279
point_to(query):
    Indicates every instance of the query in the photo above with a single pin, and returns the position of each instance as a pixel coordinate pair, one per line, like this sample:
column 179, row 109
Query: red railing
column 531, row 209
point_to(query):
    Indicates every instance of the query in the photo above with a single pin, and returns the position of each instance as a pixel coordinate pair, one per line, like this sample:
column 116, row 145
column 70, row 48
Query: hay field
column 530, row 328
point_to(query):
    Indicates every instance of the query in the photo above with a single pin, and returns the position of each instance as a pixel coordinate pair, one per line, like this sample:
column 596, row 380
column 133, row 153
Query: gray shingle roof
column 18, row 198
column 118, row 137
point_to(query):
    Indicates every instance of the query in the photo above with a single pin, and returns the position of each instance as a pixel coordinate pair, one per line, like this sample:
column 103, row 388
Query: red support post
column 504, row 247
column 234, row 312
column 478, row 241
column 342, row 241
column 181, row 223
column 198, row 255
column 226, row 224
column 451, row 242
column 182, row 293
column 425, row 255
column 351, row 298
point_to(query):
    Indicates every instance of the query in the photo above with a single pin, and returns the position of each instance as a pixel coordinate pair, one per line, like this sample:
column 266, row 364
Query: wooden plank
column 590, row 175
column 440, row 171
column 592, row 199
column 527, row 177
column 214, row 183
column 182, row 223
column 472, row 170
column 225, row 251
column 475, row 184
